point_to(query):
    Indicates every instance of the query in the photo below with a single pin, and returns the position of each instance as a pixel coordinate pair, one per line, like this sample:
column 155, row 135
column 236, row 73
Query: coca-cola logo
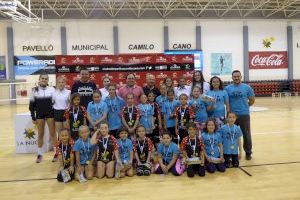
column 272, row 60
column 268, row 60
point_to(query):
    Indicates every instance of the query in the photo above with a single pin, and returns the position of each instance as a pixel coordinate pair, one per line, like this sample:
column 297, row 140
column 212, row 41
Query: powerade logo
column 36, row 62
column 28, row 65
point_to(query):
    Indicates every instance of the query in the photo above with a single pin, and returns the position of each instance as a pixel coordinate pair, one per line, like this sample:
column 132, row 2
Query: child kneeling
column 213, row 148
column 85, row 155
column 192, row 149
column 143, row 150
column 167, row 155
column 126, row 153
column 65, row 156
column 108, row 150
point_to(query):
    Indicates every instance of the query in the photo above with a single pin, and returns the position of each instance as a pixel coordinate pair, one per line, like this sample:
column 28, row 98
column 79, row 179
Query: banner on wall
column 2, row 68
column 268, row 60
column 117, row 67
column 221, row 63
column 30, row 65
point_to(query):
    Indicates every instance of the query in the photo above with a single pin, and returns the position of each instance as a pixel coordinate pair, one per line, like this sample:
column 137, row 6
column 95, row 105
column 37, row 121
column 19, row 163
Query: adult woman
column 169, row 83
column 198, row 80
column 61, row 100
column 104, row 90
column 221, row 100
column 41, row 110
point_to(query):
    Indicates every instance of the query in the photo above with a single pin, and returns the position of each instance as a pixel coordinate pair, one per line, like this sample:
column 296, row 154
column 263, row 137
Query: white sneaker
column 82, row 179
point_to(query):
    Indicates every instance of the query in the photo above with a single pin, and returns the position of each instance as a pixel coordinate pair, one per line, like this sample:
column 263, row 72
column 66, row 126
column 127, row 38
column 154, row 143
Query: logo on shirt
column 236, row 94
column 85, row 91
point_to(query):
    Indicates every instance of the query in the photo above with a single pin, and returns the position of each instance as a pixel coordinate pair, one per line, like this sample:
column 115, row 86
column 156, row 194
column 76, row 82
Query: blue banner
column 29, row 65
column 2, row 68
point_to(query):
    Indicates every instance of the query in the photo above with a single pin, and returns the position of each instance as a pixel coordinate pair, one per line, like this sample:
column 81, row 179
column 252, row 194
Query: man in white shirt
column 182, row 88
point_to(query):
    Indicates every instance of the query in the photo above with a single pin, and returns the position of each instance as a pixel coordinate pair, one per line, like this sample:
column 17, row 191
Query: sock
column 39, row 151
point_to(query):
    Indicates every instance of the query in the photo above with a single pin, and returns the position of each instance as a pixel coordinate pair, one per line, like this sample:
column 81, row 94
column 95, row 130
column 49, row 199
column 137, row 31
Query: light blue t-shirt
column 211, row 142
column 161, row 100
column 146, row 117
column 86, row 150
column 167, row 152
column 221, row 98
column 115, row 107
column 200, row 109
column 230, row 136
column 238, row 98
column 125, row 147
column 96, row 110
column 168, row 108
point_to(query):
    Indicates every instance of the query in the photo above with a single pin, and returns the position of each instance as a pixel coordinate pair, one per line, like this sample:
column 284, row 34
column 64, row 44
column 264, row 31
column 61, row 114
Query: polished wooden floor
column 274, row 172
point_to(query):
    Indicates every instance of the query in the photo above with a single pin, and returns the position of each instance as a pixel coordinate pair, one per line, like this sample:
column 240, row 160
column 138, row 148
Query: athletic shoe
column 39, row 158
column 248, row 157
column 147, row 172
column 139, row 172
column 55, row 158
column 82, row 179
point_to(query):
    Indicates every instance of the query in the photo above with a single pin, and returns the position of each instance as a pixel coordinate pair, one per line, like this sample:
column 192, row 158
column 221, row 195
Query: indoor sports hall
column 149, row 99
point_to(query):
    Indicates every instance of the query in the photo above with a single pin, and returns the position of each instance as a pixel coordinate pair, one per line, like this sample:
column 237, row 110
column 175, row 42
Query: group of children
column 160, row 135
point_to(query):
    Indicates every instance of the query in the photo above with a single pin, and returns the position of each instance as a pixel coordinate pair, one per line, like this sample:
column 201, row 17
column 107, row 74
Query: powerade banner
column 117, row 67
column 30, row 65
column 2, row 68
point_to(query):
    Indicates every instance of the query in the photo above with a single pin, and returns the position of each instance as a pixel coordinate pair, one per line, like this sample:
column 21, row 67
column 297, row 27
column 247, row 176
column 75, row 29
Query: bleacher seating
column 274, row 87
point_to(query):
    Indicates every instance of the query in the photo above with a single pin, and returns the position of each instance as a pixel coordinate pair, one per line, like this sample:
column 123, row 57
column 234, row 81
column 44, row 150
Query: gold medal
column 76, row 124
column 143, row 157
column 130, row 123
column 104, row 155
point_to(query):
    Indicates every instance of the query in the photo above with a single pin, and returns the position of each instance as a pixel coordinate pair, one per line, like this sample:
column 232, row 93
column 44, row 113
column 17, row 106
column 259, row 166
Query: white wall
column 182, row 35
column 146, row 33
column 42, row 36
column 3, row 39
column 258, row 30
column 97, row 34
column 43, row 39
column 222, row 37
column 296, row 49
column 3, row 44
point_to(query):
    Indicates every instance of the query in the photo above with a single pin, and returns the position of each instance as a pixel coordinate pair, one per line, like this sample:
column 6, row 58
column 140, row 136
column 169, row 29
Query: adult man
column 241, row 97
column 150, row 87
column 84, row 87
column 131, row 88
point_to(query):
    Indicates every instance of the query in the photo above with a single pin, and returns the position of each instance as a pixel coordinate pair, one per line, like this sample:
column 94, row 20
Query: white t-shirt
column 61, row 99
column 185, row 90
column 206, row 87
column 104, row 93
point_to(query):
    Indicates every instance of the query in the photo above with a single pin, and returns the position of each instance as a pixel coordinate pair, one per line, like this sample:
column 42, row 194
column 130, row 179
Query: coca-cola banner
column 117, row 67
column 268, row 60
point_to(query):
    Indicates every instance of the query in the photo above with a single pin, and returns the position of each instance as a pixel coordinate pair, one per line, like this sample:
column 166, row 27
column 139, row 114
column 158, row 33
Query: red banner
column 117, row 67
column 268, row 60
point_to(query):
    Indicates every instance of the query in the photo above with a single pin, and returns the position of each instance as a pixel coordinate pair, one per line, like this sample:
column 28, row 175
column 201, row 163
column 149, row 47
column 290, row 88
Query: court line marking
column 270, row 164
column 240, row 167
column 274, row 132
column 243, row 170
column 21, row 180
